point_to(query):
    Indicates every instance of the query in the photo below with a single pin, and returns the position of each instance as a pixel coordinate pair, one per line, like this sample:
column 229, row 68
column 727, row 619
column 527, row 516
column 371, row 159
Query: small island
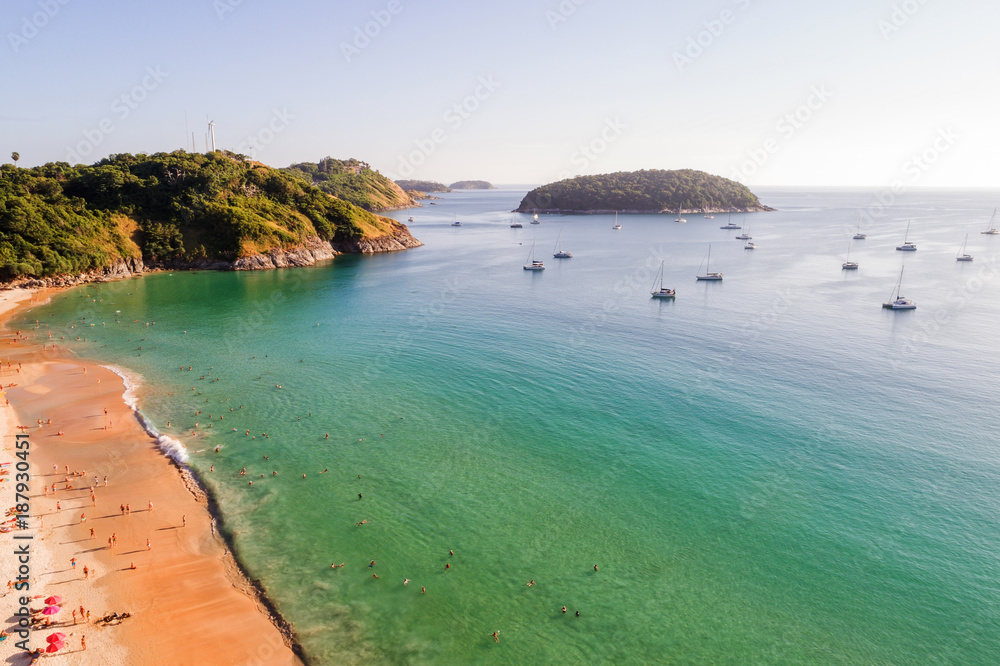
column 472, row 185
column 423, row 185
column 647, row 191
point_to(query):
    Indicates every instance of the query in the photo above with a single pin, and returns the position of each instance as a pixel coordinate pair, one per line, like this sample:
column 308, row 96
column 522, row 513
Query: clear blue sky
column 888, row 80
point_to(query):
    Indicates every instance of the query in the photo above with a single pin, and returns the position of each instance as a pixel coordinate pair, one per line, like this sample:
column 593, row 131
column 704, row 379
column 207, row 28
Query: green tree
column 15, row 156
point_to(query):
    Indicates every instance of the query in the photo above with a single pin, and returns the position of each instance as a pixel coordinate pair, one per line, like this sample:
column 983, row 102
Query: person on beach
column 128, row 509
column 150, row 505
column 83, row 642
column 93, row 535
column 74, row 616
column 58, row 506
column 83, row 518
column 184, row 521
column 86, row 572
column 131, row 565
column 72, row 562
column 149, row 546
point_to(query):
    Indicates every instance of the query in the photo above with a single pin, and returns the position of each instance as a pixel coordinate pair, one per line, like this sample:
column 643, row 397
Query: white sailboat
column 662, row 292
column 991, row 229
column 533, row 264
column 849, row 265
column 857, row 234
column 515, row 223
column 745, row 235
column 899, row 303
column 559, row 253
column 907, row 246
column 534, row 218
column 708, row 274
column 617, row 226
column 962, row 256
column 456, row 223
column 750, row 246
column 680, row 217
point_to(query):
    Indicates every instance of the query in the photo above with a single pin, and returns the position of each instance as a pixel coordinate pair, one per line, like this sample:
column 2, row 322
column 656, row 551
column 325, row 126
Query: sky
column 867, row 93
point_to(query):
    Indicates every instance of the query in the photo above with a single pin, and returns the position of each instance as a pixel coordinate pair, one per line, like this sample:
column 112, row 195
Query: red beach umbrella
column 56, row 637
column 54, row 600
column 55, row 647
column 51, row 610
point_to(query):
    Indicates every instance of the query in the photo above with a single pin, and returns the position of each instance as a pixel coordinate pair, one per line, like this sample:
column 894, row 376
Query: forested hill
column 355, row 182
column 423, row 185
column 647, row 191
column 168, row 209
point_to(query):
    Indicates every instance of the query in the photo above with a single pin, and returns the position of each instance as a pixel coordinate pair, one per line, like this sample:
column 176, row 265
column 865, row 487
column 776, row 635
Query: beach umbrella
column 53, row 600
column 55, row 647
column 51, row 610
column 56, row 637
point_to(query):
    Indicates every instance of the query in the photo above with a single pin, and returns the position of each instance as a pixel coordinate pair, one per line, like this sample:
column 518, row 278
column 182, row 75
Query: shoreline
column 191, row 587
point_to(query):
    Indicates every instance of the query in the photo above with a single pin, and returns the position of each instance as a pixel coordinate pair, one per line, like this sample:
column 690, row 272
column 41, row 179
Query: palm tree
column 15, row 156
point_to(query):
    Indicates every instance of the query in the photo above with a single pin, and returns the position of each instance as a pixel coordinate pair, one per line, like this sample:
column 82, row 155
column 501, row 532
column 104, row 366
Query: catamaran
column 516, row 224
column 907, row 246
column 729, row 223
column 899, row 303
column 662, row 292
column 991, row 230
column 559, row 252
column 533, row 264
column 849, row 265
column 962, row 256
column 708, row 275
column 857, row 234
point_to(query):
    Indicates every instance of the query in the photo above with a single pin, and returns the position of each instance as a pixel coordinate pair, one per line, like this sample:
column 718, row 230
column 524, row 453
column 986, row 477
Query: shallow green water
column 770, row 469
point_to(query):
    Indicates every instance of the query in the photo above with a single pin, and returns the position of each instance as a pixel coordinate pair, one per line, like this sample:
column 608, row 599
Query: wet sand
column 188, row 600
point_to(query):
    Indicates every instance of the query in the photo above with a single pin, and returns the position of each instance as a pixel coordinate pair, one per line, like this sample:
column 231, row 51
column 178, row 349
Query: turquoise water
column 770, row 469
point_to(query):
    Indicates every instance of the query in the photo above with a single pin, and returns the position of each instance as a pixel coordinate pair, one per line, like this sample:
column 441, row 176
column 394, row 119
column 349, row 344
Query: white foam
column 168, row 444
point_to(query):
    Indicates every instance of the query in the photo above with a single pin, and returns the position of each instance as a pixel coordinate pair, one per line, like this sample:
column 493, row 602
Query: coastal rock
column 315, row 249
column 401, row 239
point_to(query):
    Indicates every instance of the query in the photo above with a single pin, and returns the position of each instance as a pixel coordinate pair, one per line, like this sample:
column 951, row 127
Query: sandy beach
column 159, row 559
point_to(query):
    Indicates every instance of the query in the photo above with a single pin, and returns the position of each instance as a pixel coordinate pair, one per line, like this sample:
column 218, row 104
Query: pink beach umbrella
column 54, row 600
column 57, row 637
column 51, row 610
column 55, row 647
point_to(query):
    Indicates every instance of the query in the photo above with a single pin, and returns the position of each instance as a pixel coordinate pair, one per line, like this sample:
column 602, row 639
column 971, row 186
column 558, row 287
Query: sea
column 767, row 469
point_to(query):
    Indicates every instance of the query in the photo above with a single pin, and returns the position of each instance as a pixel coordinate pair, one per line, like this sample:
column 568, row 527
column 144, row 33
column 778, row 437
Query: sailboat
column 991, row 230
column 750, row 246
column 745, row 235
column 534, row 218
column 709, row 217
column 899, row 303
column 533, row 264
column 559, row 253
column 907, row 246
column 617, row 226
column 962, row 256
column 729, row 223
column 857, row 234
column 708, row 275
column 849, row 265
column 662, row 292
column 515, row 223
column 680, row 218
column 456, row 223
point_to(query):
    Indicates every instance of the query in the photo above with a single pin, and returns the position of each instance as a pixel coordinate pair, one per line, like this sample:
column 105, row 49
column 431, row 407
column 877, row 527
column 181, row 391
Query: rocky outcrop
column 401, row 239
column 120, row 269
column 315, row 249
